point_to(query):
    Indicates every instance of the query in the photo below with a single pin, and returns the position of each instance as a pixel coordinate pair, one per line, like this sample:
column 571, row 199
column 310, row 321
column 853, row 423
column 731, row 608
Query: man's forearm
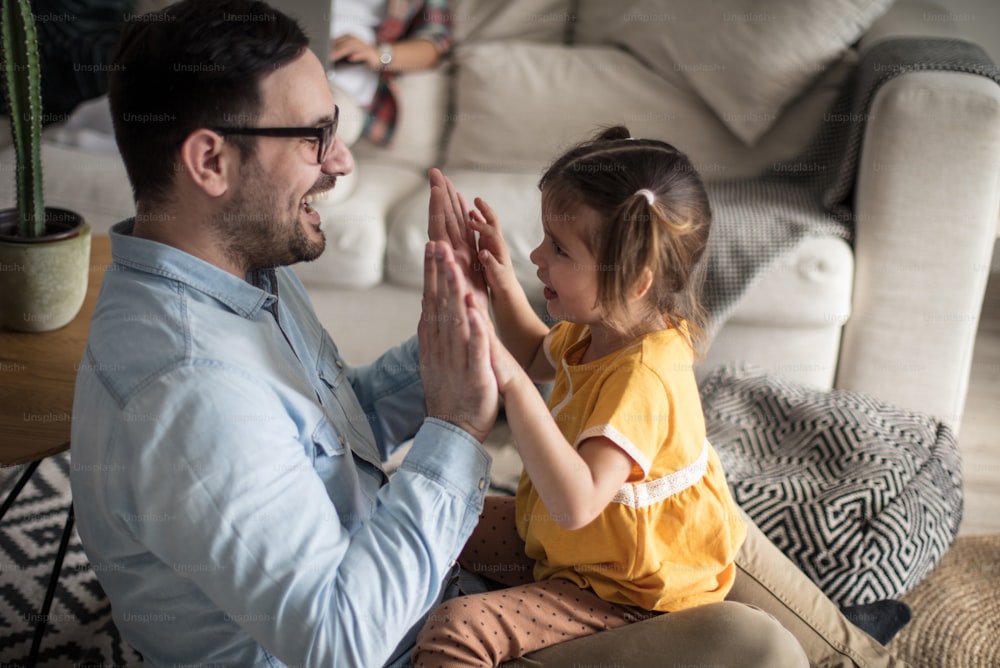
column 392, row 395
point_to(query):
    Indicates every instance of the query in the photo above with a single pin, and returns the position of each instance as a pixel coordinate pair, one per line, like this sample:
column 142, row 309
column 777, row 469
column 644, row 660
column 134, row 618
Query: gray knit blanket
column 756, row 221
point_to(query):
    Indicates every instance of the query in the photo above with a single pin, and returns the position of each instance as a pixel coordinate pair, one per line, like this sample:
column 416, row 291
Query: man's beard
column 253, row 229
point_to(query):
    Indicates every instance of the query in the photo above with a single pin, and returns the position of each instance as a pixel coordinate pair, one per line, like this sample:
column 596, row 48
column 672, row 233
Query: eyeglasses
column 323, row 134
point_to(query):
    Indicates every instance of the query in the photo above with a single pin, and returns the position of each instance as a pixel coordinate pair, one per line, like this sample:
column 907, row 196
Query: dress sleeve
column 633, row 410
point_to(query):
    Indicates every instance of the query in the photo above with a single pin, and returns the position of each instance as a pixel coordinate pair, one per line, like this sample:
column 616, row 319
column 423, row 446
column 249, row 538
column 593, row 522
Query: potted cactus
column 44, row 252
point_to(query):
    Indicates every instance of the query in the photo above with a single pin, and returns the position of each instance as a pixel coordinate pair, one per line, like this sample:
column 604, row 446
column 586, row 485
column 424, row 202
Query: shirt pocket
column 329, row 366
column 341, row 405
column 326, row 441
column 347, row 487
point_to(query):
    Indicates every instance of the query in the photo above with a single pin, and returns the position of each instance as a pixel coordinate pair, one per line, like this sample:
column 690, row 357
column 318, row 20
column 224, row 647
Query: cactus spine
column 23, row 91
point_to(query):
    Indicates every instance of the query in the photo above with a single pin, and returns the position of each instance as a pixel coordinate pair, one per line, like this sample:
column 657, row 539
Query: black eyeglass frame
column 323, row 133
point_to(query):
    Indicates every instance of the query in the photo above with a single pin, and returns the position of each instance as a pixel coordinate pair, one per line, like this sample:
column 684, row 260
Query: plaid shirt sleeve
column 434, row 25
column 405, row 19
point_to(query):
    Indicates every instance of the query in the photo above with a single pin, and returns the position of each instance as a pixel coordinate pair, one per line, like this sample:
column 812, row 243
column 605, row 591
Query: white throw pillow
column 746, row 58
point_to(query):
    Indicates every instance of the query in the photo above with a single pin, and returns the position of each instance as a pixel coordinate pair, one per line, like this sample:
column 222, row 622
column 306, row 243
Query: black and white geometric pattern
column 80, row 631
column 864, row 497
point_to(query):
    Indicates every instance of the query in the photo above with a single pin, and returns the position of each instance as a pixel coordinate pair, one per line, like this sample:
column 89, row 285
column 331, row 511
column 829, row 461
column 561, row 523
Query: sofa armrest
column 927, row 198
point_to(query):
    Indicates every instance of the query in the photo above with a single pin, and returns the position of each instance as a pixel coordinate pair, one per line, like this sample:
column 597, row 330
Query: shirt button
column 340, row 365
column 482, row 483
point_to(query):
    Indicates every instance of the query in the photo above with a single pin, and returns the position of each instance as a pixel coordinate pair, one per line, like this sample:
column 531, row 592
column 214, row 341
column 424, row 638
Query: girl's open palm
column 494, row 255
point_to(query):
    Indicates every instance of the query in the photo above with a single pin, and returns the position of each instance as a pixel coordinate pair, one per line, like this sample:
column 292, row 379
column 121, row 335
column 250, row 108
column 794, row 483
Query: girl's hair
column 654, row 214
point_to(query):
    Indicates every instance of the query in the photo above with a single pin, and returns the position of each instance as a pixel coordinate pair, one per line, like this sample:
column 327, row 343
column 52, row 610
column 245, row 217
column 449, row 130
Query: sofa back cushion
column 747, row 59
column 425, row 116
column 420, row 125
column 528, row 20
column 517, row 105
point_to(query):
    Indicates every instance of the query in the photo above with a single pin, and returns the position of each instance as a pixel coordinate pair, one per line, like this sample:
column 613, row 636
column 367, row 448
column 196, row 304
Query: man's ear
column 205, row 163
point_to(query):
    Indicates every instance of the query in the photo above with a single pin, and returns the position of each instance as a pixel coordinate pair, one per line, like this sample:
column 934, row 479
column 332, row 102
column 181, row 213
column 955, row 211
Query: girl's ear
column 642, row 284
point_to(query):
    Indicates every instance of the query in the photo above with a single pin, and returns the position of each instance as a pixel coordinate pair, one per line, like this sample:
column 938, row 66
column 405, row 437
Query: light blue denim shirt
column 226, row 472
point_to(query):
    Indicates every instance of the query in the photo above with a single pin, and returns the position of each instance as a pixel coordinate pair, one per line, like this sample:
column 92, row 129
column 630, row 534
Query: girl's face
column 566, row 267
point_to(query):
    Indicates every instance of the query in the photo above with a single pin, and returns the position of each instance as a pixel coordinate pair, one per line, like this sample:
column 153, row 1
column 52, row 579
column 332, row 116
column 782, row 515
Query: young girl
column 623, row 509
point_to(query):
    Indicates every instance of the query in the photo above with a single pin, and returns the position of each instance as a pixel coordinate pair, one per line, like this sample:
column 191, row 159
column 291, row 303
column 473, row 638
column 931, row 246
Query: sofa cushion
column 420, row 124
column 809, row 286
column 789, row 322
column 355, row 226
column 531, row 20
column 748, row 59
column 518, row 104
column 515, row 198
column 864, row 497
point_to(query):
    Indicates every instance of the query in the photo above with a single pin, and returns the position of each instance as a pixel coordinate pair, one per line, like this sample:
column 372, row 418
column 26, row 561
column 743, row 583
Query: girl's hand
column 493, row 252
column 505, row 367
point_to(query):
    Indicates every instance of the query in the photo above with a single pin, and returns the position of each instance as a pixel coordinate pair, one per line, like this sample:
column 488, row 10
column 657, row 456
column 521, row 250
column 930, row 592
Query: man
column 226, row 461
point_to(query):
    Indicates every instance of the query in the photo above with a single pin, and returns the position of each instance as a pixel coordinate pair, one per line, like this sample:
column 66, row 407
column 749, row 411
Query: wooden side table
column 37, row 378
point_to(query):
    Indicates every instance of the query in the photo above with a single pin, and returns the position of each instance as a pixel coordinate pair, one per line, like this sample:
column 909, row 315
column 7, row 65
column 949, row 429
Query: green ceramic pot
column 43, row 281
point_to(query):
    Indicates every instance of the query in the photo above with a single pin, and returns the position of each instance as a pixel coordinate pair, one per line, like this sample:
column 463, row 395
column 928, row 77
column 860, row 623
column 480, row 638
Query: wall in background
column 979, row 20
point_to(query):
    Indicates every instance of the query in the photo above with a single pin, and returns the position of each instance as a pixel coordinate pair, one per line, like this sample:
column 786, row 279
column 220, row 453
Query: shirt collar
column 152, row 257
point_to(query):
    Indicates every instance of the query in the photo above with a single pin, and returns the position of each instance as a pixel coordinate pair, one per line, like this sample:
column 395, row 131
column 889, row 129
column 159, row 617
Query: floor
column 979, row 437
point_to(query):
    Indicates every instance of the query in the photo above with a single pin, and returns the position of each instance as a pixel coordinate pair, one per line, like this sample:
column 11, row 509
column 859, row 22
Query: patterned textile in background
column 864, row 497
column 756, row 221
column 77, row 40
column 80, row 631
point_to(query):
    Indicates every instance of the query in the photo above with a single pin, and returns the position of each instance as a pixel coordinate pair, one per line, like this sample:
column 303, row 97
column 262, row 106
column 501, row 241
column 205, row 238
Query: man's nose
column 340, row 162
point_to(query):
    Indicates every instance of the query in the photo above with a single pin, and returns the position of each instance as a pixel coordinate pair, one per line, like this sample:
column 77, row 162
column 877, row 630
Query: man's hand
column 459, row 385
column 448, row 221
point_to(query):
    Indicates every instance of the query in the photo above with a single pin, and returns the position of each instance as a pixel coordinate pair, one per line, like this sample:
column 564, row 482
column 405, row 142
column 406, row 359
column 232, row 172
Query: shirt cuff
column 452, row 458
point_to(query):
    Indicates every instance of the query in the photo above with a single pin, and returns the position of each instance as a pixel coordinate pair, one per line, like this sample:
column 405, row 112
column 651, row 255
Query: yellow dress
column 668, row 538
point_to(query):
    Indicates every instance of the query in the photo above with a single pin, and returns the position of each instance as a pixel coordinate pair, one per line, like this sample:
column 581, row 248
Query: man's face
column 267, row 221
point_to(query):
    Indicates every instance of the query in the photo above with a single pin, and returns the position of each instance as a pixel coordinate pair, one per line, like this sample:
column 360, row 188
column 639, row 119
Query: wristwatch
column 385, row 54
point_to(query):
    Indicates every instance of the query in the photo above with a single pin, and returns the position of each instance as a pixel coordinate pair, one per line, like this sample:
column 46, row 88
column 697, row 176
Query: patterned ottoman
column 866, row 498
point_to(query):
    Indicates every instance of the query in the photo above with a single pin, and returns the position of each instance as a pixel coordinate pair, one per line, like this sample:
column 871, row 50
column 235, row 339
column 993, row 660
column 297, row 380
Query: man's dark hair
column 194, row 64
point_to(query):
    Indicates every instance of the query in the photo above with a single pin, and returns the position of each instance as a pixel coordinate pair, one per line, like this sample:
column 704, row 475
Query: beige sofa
column 894, row 315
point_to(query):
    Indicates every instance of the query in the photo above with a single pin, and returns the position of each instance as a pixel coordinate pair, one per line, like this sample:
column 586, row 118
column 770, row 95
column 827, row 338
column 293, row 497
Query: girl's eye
column 558, row 249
